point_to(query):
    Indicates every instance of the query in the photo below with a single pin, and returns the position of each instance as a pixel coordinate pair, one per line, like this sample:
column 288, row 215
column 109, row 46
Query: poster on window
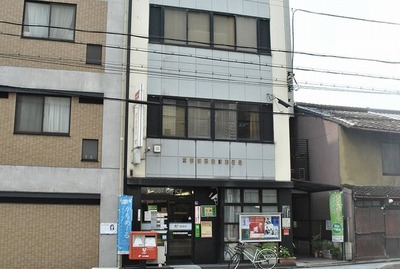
column 260, row 227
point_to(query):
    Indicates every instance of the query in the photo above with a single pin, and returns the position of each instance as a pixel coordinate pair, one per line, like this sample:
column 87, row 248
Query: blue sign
column 125, row 217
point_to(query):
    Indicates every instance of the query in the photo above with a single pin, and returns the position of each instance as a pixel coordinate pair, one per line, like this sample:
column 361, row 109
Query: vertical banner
column 336, row 211
column 125, row 217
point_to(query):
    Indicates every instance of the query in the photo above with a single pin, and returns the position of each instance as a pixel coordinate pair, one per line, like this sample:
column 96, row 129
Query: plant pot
column 288, row 261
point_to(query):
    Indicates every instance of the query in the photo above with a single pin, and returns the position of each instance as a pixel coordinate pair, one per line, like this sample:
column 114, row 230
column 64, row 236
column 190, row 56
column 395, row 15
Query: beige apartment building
column 60, row 132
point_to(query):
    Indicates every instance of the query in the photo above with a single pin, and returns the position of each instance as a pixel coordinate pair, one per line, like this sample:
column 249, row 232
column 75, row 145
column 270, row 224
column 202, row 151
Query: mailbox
column 143, row 245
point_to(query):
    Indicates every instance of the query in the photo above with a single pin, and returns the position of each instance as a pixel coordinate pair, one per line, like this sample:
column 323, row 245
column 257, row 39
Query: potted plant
column 316, row 245
column 336, row 252
column 285, row 257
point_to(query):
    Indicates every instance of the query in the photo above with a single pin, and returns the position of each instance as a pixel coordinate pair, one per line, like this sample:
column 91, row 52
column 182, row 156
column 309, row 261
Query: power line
column 255, row 63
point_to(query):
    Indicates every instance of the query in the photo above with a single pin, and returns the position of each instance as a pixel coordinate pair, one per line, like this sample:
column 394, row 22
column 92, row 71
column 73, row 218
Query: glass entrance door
column 180, row 232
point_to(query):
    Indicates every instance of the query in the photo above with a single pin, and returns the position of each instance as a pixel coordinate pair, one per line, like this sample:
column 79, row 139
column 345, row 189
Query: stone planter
column 288, row 261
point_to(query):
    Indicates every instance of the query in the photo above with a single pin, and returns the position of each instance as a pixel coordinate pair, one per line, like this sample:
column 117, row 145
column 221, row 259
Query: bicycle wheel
column 266, row 258
column 234, row 261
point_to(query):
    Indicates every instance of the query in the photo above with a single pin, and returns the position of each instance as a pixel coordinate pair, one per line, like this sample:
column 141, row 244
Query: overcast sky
column 328, row 35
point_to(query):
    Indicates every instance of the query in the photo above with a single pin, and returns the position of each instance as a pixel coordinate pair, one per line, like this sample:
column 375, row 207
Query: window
column 248, row 122
column 155, row 27
column 245, row 200
column 49, row 20
column 174, row 118
column 198, row 29
column 207, row 119
column 199, row 119
column 264, row 43
column 90, row 149
column 93, row 54
column 224, row 32
column 203, row 28
column 225, row 121
column 175, row 26
column 246, row 29
column 391, row 158
column 42, row 114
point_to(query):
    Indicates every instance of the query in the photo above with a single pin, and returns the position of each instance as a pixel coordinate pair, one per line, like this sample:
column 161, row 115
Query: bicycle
column 262, row 258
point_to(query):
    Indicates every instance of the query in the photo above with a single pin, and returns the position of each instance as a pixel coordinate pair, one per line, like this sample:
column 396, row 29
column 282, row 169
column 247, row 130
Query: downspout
column 127, row 83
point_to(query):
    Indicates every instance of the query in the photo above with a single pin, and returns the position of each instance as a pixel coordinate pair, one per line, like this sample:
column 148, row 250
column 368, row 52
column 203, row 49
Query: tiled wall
column 49, row 236
column 44, row 150
column 65, row 55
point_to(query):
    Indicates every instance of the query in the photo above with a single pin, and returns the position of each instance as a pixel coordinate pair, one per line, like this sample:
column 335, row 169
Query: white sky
column 342, row 37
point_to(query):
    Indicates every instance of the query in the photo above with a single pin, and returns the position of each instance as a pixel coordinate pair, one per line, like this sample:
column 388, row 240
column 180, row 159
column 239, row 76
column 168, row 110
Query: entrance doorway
column 180, row 232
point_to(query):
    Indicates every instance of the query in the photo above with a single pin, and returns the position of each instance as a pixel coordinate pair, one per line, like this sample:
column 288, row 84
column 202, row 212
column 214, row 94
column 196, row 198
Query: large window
column 207, row 29
column 209, row 119
column 42, row 114
column 49, row 20
column 238, row 201
column 391, row 158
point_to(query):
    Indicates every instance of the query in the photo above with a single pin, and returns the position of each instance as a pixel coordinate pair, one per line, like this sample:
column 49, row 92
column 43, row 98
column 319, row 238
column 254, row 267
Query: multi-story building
column 209, row 126
column 60, row 131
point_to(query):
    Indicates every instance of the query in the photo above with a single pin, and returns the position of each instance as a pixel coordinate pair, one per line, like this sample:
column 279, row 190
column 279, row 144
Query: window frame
column 94, row 54
column 240, row 203
column 17, row 117
column 49, row 27
column 265, row 127
column 157, row 25
column 96, row 159
column 391, row 171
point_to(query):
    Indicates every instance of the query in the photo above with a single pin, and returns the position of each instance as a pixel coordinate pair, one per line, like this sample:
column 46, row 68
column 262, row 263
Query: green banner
column 336, row 210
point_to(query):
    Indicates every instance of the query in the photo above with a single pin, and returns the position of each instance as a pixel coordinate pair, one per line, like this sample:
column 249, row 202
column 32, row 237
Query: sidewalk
column 302, row 262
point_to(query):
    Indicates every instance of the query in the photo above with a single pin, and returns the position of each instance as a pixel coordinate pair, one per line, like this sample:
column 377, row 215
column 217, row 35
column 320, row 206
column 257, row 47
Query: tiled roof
column 358, row 118
column 375, row 191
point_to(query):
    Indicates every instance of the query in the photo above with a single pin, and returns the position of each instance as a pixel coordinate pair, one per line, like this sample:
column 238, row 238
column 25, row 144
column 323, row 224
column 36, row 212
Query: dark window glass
column 155, row 33
column 267, row 123
column 153, row 117
column 248, row 122
column 4, row 95
column 90, row 149
column 391, row 158
column 93, row 54
column 264, row 42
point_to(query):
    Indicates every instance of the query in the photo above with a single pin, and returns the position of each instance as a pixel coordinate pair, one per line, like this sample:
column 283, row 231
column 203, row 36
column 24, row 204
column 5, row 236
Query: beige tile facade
column 44, row 150
column 15, row 50
column 47, row 236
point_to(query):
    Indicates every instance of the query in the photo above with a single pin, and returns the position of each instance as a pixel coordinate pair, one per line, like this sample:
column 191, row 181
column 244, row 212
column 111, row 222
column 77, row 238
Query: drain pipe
column 127, row 83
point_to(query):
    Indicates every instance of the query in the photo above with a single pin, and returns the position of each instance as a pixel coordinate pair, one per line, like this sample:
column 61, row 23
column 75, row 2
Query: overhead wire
column 251, row 62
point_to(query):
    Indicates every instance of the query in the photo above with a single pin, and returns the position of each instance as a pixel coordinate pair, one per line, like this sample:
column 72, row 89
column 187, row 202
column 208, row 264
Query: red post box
column 143, row 245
